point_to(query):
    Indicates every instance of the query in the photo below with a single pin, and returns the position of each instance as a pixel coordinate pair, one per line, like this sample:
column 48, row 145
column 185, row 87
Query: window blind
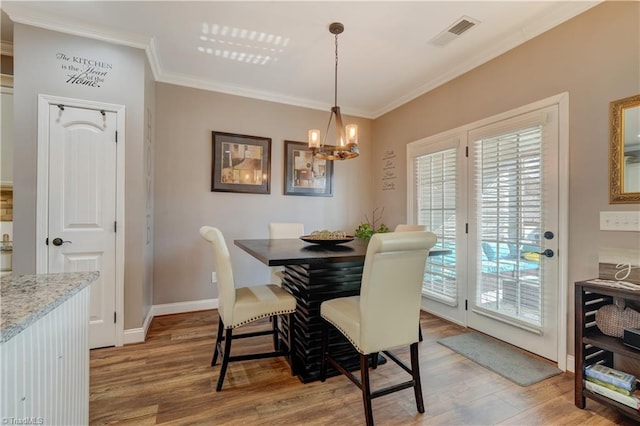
column 508, row 185
column 436, row 187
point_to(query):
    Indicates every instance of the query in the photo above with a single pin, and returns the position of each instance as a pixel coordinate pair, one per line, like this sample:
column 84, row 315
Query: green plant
column 366, row 229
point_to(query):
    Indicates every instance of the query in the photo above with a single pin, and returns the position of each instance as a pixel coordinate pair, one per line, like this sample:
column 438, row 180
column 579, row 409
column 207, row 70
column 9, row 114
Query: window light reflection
column 240, row 44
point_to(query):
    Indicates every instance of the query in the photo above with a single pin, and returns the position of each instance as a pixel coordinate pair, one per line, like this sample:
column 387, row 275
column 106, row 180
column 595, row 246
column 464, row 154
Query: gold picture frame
column 624, row 152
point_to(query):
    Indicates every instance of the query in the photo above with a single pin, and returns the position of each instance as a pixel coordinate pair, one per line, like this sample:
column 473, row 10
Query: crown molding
column 188, row 81
column 25, row 16
column 22, row 15
column 152, row 58
column 533, row 29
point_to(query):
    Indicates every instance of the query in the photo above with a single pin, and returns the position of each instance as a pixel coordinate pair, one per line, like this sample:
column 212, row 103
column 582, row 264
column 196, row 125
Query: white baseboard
column 571, row 365
column 138, row 335
column 181, row 307
column 134, row 335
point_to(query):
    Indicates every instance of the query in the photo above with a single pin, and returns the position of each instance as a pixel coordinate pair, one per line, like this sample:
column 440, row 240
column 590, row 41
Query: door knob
column 548, row 235
column 59, row 241
column 547, row 252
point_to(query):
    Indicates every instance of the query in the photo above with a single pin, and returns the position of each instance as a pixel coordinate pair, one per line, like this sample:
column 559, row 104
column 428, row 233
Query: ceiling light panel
column 240, row 44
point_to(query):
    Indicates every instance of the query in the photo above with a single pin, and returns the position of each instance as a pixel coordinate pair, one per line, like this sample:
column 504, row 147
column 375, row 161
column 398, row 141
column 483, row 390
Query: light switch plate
column 214, row 278
column 620, row 221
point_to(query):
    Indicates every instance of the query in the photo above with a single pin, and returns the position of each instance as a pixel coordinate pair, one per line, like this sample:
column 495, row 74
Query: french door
column 490, row 191
column 437, row 170
column 513, row 284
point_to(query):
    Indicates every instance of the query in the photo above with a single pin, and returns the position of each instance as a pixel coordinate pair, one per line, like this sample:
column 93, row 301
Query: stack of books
column 612, row 383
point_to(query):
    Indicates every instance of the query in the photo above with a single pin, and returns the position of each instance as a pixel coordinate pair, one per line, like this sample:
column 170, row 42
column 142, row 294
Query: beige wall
column 38, row 71
column 184, row 202
column 595, row 58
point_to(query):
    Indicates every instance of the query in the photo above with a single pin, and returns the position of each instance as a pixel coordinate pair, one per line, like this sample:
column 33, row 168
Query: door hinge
column 116, row 136
column 466, row 305
column 114, row 317
column 466, row 151
column 115, row 226
column 466, row 228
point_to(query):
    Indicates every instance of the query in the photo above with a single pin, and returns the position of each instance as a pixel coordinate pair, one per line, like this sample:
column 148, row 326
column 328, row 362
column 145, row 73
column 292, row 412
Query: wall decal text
column 389, row 171
column 84, row 71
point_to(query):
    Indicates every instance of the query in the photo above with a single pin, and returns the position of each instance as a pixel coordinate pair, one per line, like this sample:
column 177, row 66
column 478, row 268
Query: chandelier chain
column 346, row 145
column 335, row 94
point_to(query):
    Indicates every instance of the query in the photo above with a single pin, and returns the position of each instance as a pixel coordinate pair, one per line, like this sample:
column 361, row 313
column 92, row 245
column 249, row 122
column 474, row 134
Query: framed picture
column 304, row 174
column 241, row 163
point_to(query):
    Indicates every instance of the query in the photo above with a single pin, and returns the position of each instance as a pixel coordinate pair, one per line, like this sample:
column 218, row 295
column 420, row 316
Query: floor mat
column 500, row 358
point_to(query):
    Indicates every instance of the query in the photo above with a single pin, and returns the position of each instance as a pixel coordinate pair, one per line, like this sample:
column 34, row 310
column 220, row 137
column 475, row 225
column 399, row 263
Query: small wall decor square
column 240, row 163
column 304, row 174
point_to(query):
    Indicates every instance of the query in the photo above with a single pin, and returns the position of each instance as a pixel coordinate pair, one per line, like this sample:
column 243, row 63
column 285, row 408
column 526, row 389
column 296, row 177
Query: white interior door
column 82, row 207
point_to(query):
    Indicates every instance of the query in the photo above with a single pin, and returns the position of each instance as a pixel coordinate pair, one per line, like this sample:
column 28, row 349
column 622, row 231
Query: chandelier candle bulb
column 314, row 138
column 352, row 134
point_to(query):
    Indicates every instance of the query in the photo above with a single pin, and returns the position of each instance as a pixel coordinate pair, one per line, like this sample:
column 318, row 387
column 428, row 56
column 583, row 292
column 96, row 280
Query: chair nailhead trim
column 345, row 335
column 272, row 314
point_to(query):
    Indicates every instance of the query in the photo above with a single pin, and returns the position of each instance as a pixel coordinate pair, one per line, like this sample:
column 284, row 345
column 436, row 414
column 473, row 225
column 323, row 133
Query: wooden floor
column 168, row 380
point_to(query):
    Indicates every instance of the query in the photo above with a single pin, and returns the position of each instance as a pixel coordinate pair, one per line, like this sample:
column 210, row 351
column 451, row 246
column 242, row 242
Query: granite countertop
column 24, row 299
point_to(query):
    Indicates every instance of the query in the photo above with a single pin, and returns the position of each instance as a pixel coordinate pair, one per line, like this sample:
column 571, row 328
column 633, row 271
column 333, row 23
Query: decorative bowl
column 328, row 242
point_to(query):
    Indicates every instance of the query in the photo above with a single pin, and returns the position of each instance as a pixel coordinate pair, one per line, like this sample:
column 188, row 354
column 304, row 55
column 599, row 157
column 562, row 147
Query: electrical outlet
column 214, row 278
column 620, row 221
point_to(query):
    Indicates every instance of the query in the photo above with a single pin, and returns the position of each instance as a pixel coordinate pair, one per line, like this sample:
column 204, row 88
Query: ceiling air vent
column 454, row 31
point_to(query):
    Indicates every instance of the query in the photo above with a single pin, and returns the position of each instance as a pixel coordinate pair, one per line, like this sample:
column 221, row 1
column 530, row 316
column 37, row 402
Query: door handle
column 547, row 252
column 59, row 241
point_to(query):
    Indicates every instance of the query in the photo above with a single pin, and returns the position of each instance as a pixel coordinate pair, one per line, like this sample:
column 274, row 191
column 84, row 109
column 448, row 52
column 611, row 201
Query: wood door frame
column 42, row 192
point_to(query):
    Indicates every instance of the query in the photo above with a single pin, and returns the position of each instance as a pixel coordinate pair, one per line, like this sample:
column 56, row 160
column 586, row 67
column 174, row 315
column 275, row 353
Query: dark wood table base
column 311, row 285
column 315, row 273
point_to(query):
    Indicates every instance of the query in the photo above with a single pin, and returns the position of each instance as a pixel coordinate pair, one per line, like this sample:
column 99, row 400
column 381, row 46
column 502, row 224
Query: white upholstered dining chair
column 405, row 227
column 239, row 306
column 385, row 314
column 278, row 230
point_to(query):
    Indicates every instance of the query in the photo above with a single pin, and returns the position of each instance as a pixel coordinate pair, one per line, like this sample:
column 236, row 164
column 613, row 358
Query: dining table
column 313, row 273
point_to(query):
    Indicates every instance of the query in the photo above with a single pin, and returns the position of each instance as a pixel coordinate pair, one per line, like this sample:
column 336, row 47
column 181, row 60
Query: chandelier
column 346, row 144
